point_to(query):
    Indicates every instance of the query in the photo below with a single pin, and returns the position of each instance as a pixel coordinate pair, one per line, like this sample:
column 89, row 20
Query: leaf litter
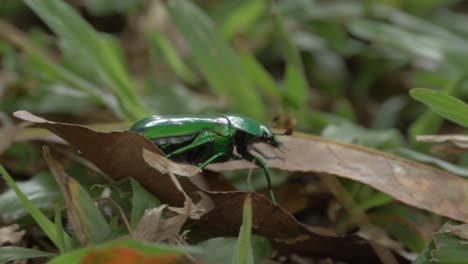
column 119, row 155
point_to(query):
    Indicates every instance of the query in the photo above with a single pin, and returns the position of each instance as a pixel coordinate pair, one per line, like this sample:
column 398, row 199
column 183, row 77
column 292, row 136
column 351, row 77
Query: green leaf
column 445, row 105
column 44, row 223
column 444, row 247
column 97, row 51
column 13, row 253
column 169, row 53
column 294, row 81
column 261, row 77
column 240, row 17
column 221, row 249
column 243, row 252
column 216, row 60
column 76, row 256
column 94, row 224
column 41, row 190
column 141, row 200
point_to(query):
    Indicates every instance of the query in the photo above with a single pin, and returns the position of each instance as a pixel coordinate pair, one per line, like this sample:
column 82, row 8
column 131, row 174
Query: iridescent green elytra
column 204, row 140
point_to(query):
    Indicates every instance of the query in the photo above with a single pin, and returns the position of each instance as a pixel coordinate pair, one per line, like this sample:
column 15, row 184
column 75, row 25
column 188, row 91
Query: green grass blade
column 172, row 58
column 13, row 253
column 44, row 223
column 243, row 253
column 141, row 200
column 445, row 105
column 217, row 61
column 261, row 77
column 295, row 80
column 243, row 15
column 430, row 122
column 97, row 51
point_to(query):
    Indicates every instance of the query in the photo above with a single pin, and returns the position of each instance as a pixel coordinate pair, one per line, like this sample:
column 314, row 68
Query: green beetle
column 204, row 140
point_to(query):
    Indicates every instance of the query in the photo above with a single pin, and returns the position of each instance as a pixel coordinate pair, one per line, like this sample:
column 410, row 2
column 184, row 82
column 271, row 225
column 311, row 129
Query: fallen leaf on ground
column 11, row 234
column 119, row 155
column 410, row 182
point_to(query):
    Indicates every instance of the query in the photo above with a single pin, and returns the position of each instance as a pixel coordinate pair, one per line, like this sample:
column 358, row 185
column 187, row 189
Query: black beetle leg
column 211, row 159
column 265, row 156
column 261, row 163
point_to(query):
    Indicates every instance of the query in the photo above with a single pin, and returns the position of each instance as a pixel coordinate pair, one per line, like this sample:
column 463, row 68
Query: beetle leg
column 265, row 155
column 261, row 163
column 211, row 159
column 202, row 138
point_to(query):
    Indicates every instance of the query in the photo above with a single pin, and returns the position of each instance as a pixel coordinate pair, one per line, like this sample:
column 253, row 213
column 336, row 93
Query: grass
column 342, row 69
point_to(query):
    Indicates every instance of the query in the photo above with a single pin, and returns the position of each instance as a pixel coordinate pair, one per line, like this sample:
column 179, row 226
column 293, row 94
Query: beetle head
column 269, row 137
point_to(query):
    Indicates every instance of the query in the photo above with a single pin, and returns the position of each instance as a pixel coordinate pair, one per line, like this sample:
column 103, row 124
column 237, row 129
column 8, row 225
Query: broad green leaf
column 243, row 252
column 403, row 223
column 445, row 105
column 141, row 200
column 44, row 223
column 152, row 249
column 243, row 15
column 375, row 200
column 170, row 54
column 217, row 61
column 94, row 224
column 430, row 122
column 444, row 247
column 85, row 218
column 73, row 29
column 15, row 253
column 221, row 249
column 41, row 190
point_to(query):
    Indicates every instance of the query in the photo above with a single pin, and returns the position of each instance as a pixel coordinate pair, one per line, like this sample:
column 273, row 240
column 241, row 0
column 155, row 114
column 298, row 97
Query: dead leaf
column 458, row 230
column 408, row 181
column 11, row 234
column 64, row 182
column 119, row 155
column 153, row 226
column 460, row 141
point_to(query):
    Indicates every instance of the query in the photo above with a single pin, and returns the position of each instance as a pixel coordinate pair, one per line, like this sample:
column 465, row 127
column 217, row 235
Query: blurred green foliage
column 342, row 69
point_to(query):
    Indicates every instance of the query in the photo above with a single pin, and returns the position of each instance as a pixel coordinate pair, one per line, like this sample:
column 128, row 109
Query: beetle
column 203, row 140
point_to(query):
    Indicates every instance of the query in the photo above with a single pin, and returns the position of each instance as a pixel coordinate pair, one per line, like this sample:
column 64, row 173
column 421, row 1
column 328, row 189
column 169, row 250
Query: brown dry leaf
column 460, row 141
column 408, row 181
column 11, row 234
column 119, row 155
column 458, row 230
column 63, row 180
column 153, row 226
